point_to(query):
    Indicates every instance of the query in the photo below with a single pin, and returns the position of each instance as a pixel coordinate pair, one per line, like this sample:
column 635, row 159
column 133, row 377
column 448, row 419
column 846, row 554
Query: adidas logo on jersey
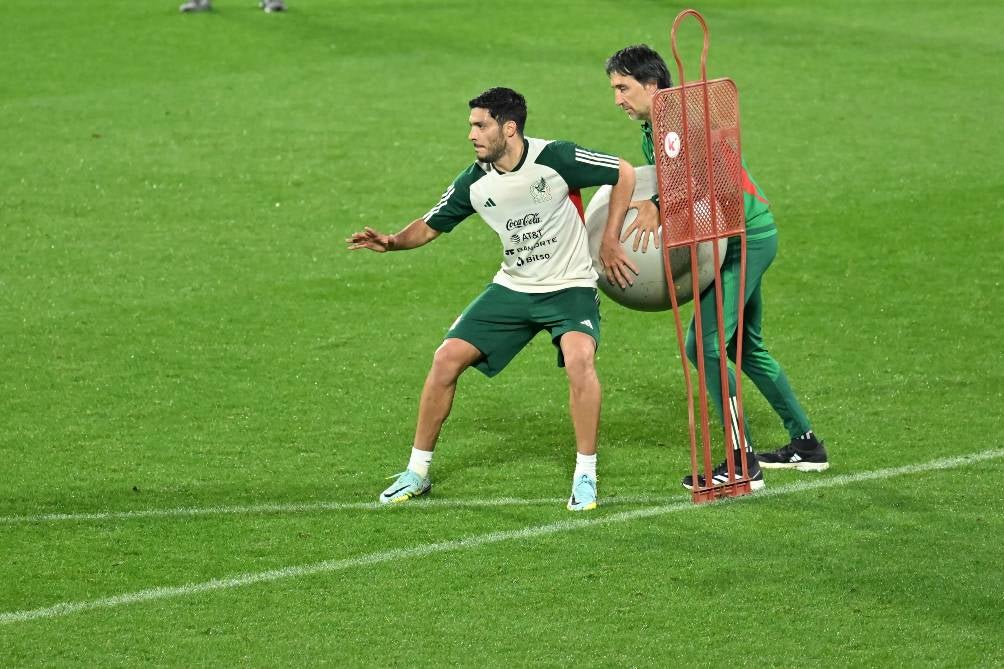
column 490, row 203
column 588, row 323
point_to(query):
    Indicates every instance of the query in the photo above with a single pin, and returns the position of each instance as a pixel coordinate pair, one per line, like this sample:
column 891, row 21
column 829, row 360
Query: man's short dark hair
column 503, row 104
column 641, row 62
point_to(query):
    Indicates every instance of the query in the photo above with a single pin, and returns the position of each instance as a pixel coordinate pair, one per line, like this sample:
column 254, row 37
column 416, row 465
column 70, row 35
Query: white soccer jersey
column 544, row 242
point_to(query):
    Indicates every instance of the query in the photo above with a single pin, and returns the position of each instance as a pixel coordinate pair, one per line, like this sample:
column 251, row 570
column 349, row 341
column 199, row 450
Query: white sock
column 734, row 418
column 585, row 464
column 420, row 461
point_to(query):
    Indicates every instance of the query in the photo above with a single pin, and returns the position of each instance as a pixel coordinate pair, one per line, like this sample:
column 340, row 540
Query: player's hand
column 616, row 265
column 645, row 226
column 369, row 239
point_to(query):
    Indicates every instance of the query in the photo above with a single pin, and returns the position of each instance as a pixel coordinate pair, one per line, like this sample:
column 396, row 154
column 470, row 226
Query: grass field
column 202, row 391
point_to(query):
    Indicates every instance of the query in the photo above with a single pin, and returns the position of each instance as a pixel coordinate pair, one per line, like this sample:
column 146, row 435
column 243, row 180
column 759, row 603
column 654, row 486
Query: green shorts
column 501, row 322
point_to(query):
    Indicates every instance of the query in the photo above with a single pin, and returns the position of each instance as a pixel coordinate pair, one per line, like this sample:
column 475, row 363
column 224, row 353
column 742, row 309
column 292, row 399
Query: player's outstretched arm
column 617, row 266
column 415, row 234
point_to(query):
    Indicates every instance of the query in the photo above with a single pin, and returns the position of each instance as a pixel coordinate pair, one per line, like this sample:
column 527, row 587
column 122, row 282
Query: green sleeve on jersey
column 579, row 167
column 455, row 205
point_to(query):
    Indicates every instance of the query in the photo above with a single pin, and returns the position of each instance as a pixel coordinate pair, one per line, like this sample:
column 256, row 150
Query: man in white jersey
column 527, row 190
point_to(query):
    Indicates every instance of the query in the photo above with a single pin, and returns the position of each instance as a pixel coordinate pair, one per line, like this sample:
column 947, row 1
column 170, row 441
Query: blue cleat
column 408, row 485
column 583, row 494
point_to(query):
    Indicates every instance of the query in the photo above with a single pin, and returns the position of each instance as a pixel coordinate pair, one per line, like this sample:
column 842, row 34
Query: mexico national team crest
column 540, row 191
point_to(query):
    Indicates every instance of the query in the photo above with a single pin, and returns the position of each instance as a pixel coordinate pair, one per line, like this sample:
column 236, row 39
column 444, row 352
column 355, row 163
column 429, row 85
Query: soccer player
column 526, row 190
column 636, row 73
column 205, row 5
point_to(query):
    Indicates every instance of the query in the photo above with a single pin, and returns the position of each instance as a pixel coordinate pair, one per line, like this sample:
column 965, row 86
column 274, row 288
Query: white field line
column 329, row 566
column 424, row 503
column 307, row 507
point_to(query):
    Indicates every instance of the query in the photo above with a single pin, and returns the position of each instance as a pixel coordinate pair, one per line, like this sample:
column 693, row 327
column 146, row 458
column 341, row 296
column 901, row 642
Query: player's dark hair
column 641, row 62
column 503, row 104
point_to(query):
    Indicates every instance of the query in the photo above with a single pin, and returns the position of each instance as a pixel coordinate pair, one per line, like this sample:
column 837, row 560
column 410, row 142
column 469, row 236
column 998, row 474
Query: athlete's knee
column 755, row 355
column 761, row 362
column 451, row 358
column 582, row 377
column 581, row 370
column 710, row 348
column 579, row 353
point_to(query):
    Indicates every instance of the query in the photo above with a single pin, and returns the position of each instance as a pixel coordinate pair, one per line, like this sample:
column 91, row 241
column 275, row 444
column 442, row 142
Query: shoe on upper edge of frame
column 195, row 6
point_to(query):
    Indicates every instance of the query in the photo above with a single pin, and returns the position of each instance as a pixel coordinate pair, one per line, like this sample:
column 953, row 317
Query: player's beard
column 495, row 150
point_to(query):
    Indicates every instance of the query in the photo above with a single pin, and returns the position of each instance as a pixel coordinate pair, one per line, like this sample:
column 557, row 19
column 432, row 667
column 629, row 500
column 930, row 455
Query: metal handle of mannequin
column 704, row 51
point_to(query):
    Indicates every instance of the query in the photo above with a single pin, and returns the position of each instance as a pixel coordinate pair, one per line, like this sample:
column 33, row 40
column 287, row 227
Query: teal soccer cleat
column 583, row 494
column 408, row 485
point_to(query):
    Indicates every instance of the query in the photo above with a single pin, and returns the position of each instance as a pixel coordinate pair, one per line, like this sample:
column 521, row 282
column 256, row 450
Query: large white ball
column 649, row 292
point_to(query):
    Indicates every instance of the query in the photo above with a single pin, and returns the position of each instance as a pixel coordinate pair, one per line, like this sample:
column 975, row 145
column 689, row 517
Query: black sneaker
column 720, row 474
column 805, row 455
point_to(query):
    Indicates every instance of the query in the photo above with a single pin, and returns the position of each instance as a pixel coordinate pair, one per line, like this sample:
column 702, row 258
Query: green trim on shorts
column 500, row 322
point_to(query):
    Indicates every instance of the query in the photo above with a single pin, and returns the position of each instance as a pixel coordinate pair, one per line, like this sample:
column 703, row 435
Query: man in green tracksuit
column 636, row 72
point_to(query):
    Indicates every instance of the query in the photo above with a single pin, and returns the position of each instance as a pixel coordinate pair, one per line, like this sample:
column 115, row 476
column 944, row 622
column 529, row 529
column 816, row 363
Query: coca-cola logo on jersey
column 517, row 223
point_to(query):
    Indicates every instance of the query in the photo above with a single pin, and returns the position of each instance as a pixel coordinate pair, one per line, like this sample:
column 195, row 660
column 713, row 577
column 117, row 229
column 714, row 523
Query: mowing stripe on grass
column 328, row 566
